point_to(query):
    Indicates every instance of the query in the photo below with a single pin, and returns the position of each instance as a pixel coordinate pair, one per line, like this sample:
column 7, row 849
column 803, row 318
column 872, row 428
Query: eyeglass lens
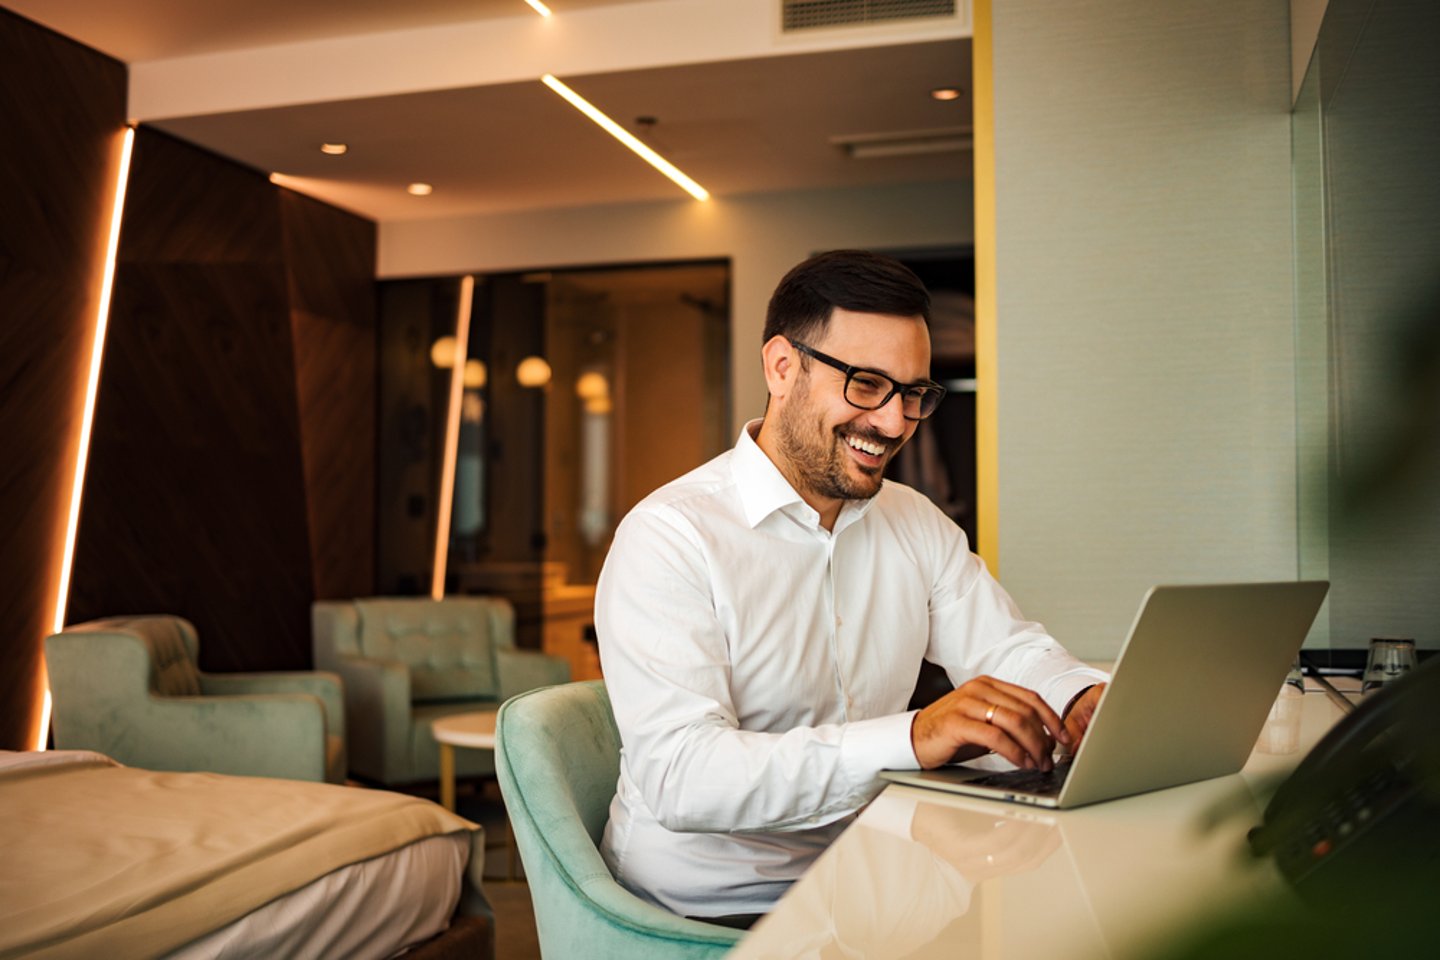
column 868, row 391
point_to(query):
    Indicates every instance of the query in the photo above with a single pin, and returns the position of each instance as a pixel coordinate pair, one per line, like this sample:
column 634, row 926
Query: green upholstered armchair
column 558, row 758
column 130, row 687
column 407, row 661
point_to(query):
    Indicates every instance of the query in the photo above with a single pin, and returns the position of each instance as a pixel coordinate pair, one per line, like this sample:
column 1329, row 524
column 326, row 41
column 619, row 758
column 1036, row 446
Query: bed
column 100, row 859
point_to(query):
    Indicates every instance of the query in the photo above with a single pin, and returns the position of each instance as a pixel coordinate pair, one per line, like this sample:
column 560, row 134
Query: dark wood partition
column 232, row 464
column 195, row 497
column 330, row 261
column 64, row 113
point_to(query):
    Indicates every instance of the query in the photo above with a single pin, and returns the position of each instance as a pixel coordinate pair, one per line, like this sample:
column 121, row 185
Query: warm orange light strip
column 452, row 437
column 626, row 137
column 87, row 419
column 539, row 7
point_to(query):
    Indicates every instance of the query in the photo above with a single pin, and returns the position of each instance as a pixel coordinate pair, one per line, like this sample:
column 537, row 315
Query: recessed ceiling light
column 333, row 149
column 946, row 93
column 419, row 189
column 539, row 7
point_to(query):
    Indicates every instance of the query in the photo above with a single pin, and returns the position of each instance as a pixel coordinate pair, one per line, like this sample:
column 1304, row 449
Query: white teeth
column 864, row 446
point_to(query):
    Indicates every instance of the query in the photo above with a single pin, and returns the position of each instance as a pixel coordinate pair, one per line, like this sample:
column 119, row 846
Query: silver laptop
column 1191, row 690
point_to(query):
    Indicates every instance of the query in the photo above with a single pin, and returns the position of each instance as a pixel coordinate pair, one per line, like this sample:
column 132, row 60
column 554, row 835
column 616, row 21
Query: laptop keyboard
column 1037, row 782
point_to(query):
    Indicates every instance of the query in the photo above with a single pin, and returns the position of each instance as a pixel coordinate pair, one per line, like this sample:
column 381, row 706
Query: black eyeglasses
column 871, row 389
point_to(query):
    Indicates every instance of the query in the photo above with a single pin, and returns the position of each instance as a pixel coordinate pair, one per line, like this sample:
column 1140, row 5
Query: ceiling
column 738, row 126
column 134, row 30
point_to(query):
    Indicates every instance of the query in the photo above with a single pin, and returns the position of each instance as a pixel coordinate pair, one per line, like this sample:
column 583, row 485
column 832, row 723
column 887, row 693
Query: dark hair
column 849, row 279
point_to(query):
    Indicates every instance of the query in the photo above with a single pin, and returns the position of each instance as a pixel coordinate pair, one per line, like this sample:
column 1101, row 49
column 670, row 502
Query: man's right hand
column 1021, row 727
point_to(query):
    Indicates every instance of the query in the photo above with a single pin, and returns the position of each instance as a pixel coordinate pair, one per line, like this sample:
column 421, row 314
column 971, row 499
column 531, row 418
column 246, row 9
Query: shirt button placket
column 846, row 701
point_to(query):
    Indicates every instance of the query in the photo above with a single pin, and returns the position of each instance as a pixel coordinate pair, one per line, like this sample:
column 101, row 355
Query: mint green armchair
column 558, row 758
column 131, row 688
column 408, row 661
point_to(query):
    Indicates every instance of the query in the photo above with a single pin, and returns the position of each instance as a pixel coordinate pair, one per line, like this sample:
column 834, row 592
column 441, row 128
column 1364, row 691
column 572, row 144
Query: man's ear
column 781, row 364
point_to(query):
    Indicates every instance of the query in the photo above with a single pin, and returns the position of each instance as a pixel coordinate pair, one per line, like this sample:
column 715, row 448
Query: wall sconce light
column 476, row 374
column 592, row 384
column 533, row 372
column 444, row 352
column 593, row 389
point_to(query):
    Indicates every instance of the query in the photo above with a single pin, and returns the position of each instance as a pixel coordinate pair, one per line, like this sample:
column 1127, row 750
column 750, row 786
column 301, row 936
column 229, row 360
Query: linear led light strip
column 625, row 137
column 539, row 7
column 87, row 419
column 452, row 437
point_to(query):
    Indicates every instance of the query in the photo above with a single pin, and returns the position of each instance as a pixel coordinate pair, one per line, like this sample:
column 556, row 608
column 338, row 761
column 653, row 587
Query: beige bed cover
column 97, row 859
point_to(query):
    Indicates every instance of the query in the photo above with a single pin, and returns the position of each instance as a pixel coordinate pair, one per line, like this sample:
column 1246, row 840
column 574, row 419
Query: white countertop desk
column 928, row 874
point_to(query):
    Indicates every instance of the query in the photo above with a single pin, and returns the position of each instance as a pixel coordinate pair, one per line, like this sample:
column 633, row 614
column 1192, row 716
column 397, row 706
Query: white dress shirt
column 760, row 666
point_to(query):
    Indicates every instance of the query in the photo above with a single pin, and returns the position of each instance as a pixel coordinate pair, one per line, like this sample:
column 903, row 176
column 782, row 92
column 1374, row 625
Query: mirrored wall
column 534, row 412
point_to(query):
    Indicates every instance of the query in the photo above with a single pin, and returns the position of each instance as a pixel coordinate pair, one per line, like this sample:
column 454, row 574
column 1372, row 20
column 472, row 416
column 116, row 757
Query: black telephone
column 1358, row 822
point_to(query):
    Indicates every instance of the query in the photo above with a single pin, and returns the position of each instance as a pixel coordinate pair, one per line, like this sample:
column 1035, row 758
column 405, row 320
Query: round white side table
column 473, row 731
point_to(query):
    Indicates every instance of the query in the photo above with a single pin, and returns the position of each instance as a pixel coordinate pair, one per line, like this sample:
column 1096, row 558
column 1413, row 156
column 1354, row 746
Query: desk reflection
column 925, row 874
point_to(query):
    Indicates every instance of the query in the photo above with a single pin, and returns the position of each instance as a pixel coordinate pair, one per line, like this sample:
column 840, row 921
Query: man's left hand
column 1077, row 717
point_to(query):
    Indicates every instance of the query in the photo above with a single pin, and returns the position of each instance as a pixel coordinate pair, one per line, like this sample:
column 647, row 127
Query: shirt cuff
column 869, row 746
column 1063, row 689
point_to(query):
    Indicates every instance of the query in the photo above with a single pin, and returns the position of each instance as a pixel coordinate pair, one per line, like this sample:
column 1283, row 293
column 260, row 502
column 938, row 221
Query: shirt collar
column 763, row 488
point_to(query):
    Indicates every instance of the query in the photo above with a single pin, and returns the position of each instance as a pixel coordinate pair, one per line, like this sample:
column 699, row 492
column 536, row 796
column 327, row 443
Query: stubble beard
column 815, row 458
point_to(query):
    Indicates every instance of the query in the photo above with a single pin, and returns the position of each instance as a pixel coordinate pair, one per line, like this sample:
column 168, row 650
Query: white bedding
column 375, row 908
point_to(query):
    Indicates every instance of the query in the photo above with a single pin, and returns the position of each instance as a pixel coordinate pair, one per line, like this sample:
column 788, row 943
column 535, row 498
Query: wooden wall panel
column 195, row 499
column 330, row 259
column 64, row 110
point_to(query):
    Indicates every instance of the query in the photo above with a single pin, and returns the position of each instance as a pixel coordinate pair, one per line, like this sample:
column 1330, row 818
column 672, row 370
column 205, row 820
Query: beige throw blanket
column 100, row 860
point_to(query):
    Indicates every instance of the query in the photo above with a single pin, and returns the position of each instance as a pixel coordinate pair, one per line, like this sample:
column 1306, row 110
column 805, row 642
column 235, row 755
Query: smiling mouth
column 868, row 447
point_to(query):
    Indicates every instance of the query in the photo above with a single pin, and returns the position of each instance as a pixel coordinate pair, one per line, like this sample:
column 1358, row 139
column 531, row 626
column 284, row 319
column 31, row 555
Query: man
column 763, row 618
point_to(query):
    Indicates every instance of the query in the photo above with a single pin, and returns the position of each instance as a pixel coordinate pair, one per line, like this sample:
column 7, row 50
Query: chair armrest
column 326, row 686
column 377, row 713
column 266, row 735
column 521, row 670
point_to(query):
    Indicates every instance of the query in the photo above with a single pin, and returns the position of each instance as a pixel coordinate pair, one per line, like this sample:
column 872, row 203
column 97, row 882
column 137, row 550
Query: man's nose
column 889, row 417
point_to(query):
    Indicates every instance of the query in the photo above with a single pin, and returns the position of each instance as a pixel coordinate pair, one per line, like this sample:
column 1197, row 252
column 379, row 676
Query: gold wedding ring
column 990, row 714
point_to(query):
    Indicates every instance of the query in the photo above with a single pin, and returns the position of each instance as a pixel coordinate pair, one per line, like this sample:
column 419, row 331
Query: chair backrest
column 558, row 760
column 107, row 669
column 449, row 645
column 170, row 643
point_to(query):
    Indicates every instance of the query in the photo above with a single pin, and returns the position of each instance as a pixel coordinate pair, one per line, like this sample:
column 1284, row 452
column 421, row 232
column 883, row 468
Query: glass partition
column 1312, row 353
column 1366, row 133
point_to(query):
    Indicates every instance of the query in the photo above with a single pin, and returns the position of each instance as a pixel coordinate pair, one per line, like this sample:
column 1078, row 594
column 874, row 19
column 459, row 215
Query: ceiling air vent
column 813, row 14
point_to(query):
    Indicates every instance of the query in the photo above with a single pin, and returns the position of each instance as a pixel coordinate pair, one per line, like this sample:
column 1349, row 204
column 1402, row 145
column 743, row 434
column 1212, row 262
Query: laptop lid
column 1190, row 692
